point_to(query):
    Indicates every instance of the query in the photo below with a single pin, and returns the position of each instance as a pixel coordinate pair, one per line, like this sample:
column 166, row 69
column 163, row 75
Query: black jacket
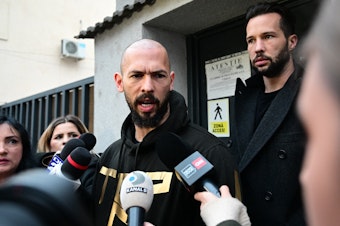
column 172, row 203
column 269, row 156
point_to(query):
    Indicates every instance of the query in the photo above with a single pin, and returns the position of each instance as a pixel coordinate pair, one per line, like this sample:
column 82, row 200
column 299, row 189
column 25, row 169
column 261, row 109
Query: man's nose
column 148, row 84
column 259, row 46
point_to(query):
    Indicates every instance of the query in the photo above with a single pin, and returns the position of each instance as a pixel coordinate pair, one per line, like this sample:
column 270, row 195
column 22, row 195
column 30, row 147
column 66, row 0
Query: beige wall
column 30, row 43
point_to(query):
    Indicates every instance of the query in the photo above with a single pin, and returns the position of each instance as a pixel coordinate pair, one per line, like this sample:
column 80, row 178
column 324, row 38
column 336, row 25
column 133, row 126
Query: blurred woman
column 15, row 148
column 59, row 131
column 55, row 136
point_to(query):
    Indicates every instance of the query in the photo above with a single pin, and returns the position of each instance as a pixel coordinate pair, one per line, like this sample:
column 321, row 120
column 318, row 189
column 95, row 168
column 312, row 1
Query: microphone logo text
column 136, row 189
column 188, row 171
column 192, row 168
column 199, row 163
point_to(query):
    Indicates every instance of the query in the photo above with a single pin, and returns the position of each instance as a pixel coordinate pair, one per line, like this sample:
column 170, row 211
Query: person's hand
column 148, row 224
column 215, row 210
column 204, row 197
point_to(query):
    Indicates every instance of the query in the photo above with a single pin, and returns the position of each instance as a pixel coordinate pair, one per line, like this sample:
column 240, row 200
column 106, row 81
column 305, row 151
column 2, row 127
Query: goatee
column 146, row 120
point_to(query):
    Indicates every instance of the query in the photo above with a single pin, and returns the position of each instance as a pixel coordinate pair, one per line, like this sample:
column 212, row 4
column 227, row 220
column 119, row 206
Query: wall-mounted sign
column 221, row 74
column 218, row 117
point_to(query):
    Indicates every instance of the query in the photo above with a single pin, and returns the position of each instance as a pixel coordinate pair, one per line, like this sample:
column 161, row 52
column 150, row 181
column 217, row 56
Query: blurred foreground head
column 36, row 198
column 319, row 108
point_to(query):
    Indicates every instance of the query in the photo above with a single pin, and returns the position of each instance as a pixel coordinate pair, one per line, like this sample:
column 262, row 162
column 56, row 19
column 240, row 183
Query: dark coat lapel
column 271, row 120
column 245, row 107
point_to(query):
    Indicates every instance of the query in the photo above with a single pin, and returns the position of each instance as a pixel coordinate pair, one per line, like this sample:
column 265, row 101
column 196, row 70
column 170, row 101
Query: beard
column 146, row 120
column 277, row 64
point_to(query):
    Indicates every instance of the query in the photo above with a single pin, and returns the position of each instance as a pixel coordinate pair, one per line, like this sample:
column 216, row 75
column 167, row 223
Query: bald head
column 144, row 45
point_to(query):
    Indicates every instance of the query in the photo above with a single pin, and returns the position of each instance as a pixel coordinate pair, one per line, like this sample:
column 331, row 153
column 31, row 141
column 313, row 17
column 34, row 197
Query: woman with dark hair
column 15, row 148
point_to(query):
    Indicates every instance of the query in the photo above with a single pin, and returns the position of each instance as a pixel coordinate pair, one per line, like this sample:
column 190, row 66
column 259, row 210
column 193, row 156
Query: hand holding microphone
column 74, row 159
column 215, row 210
column 191, row 167
column 86, row 140
column 58, row 158
column 136, row 196
column 74, row 166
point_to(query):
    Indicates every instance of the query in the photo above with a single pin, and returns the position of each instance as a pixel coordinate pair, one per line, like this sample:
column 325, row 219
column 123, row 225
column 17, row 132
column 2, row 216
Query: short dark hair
column 287, row 22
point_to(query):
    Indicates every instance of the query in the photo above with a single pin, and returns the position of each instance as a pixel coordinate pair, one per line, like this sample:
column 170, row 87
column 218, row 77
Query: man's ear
column 292, row 42
column 172, row 77
column 119, row 81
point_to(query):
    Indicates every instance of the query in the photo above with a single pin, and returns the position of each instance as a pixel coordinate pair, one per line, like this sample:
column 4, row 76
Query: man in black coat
column 268, row 139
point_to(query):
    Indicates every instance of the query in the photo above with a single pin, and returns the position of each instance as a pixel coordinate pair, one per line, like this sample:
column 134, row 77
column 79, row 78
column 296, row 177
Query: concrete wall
column 30, row 43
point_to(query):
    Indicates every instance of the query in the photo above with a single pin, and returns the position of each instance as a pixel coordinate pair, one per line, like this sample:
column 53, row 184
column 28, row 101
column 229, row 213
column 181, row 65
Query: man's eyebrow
column 135, row 71
column 153, row 72
column 269, row 33
column 159, row 71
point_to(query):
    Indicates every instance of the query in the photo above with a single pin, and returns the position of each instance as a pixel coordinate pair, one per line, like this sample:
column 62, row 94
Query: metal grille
column 36, row 112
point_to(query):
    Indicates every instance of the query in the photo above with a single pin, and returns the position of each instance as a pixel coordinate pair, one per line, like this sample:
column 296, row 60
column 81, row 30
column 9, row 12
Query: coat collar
column 252, row 142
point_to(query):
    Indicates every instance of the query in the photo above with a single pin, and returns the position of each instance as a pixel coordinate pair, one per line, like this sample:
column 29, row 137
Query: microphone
column 74, row 166
column 70, row 146
column 89, row 139
column 58, row 158
column 76, row 163
column 190, row 166
column 136, row 196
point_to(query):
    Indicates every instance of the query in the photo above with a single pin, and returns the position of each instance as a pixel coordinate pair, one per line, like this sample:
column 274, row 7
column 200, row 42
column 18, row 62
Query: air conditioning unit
column 73, row 49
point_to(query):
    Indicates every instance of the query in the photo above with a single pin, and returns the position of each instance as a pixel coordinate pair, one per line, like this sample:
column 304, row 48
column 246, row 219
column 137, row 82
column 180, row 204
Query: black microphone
column 58, row 158
column 74, row 166
column 70, row 146
column 76, row 163
column 191, row 167
column 89, row 139
column 136, row 196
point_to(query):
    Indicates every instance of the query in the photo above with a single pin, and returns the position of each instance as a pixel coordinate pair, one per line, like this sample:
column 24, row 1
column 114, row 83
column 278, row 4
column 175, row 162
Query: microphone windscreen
column 70, row 146
column 171, row 149
column 76, row 163
column 89, row 139
column 136, row 191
